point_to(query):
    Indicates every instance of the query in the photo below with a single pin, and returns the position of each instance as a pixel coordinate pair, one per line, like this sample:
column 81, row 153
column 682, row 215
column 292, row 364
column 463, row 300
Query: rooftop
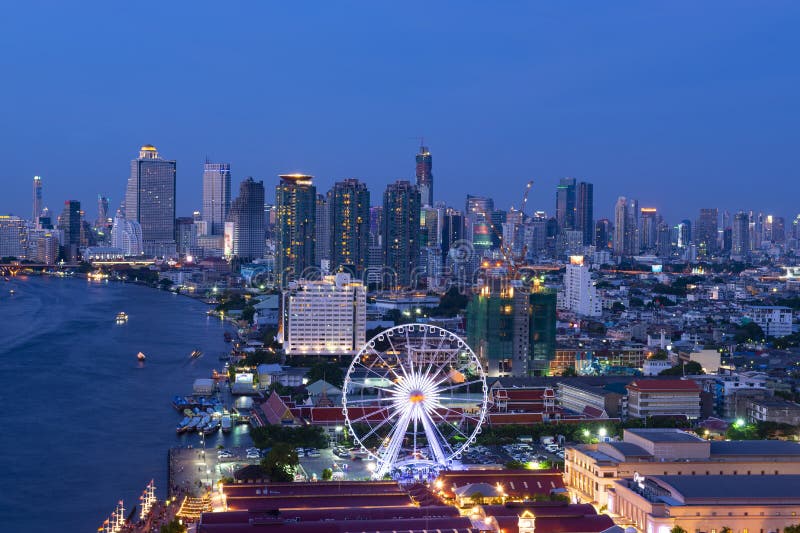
column 655, row 385
column 665, row 435
column 732, row 487
column 755, row 447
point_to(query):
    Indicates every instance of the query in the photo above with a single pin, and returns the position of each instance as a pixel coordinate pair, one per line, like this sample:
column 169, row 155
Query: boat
column 140, row 356
column 183, row 425
column 193, row 424
column 226, row 424
column 203, row 423
column 122, row 317
column 12, row 291
column 211, row 428
column 195, row 354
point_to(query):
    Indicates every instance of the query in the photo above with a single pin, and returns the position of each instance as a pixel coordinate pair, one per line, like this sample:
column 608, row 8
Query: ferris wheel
column 414, row 395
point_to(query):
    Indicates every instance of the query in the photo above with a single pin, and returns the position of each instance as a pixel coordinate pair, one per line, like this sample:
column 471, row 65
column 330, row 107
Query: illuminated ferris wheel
column 414, row 396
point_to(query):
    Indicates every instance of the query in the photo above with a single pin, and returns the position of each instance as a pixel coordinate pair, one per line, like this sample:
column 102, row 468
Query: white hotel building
column 324, row 317
column 580, row 294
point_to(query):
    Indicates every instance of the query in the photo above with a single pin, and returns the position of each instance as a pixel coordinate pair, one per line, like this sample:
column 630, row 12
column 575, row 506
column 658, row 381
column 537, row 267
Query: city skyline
column 672, row 119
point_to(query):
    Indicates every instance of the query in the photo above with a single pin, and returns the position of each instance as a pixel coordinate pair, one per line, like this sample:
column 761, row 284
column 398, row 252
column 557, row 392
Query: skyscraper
column 295, row 226
column 584, row 212
column 580, row 293
column 626, row 227
column 349, row 224
column 37, row 199
column 452, row 230
column 602, row 233
column 71, row 226
column 150, row 201
column 401, row 215
column 247, row 215
column 706, row 232
column 425, row 176
column 322, row 238
column 102, row 221
column 216, row 196
column 479, row 206
column 648, row 228
column 740, row 235
column 565, row 204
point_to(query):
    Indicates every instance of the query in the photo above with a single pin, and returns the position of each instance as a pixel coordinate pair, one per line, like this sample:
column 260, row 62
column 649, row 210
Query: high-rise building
column 322, row 246
column 376, row 225
column 324, row 317
column 102, row 222
column 452, row 230
column 706, row 232
column 401, row 215
column 37, row 200
column 295, row 225
column 626, row 227
column 13, row 237
column 127, row 236
column 602, row 234
column 216, row 196
column 580, row 293
column 584, row 212
column 425, row 175
column 71, row 226
column 565, row 203
column 512, row 329
column 684, row 234
column 349, row 224
column 648, row 228
column 740, row 235
column 664, row 244
column 247, row 216
column 186, row 235
column 150, row 201
column 479, row 206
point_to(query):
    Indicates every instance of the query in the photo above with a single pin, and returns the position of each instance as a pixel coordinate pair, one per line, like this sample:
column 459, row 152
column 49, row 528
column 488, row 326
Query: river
column 84, row 424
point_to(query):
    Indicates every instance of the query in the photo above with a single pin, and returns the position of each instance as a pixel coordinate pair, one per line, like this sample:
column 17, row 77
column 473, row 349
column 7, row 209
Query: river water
column 83, row 423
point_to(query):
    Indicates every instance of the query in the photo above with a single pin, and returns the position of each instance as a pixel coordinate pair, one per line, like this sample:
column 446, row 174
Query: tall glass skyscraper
column 216, row 196
column 70, row 224
column 295, row 226
column 425, row 175
column 150, row 201
column 37, row 199
column 349, row 224
column 401, row 215
column 565, row 204
column 247, row 216
column 584, row 212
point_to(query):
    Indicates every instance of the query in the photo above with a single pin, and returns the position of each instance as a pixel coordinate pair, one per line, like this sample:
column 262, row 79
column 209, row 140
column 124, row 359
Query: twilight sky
column 681, row 104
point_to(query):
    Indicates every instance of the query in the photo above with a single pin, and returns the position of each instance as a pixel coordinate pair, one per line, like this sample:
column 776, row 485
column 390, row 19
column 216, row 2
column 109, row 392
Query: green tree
column 173, row 527
column 477, row 498
column 515, row 465
column 725, row 529
column 795, row 528
column 327, row 474
column 692, row 368
column 248, row 313
column 280, row 462
column 330, row 372
column 749, row 332
column 677, row 529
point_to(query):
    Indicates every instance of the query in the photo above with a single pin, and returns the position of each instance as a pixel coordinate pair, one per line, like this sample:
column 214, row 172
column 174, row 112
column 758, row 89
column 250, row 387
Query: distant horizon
column 679, row 105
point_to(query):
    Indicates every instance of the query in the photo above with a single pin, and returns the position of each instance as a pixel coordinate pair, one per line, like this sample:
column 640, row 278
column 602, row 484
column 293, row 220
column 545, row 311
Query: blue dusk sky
column 680, row 104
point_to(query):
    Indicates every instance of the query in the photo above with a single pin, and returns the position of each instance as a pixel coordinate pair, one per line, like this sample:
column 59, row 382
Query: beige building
column 707, row 504
column 590, row 470
column 663, row 397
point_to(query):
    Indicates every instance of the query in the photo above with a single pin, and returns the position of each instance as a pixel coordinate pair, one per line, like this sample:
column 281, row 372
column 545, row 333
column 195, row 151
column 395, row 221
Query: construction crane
column 513, row 261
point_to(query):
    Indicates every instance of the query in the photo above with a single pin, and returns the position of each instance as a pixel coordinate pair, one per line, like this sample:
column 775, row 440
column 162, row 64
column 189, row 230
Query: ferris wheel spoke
column 382, row 376
column 372, row 431
column 389, row 368
column 433, row 361
column 451, row 424
column 457, row 385
column 434, row 438
column 373, row 413
column 399, row 361
column 370, row 400
column 392, row 449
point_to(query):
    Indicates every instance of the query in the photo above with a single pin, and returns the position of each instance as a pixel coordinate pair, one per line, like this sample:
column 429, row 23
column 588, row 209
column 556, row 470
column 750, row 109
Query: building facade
column 349, row 221
column 150, row 201
column 663, row 397
column 424, row 174
column 295, row 226
column 247, row 216
column 401, row 216
column 216, row 196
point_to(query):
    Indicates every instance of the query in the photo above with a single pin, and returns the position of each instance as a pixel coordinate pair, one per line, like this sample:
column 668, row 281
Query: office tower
column 186, row 235
column 498, row 218
column 756, row 228
column 127, row 236
column 37, row 200
column 102, row 222
column 247, row 216
column 70, row 224
column 324, row 317
column 452, row 230
column 479, row 206
column 429, row 227
column 349, row 225
column 584, row 212
column 648, row 224
column 216, row 196
column 684, row 234
column 13, row 237
column 295, row 226
column 706, row 232
column 401, row 214
column 565, row 203
column 323, row 235
column 511, row 329
column 150, row 201
column 425, row 176
column 481, row 237
column 376, row 225
column 626, row 227
column 774, row 229
column 740, row 235
column 580, row 293
column 534, row 234
column 664, row 244
column 46, row 249
column 602, row 233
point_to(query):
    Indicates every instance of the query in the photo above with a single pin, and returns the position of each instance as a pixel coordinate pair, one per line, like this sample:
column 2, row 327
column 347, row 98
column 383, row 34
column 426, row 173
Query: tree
column 248, row 313
column 327, row 474
column 330, row 372
column 452, row 303
column 515, row 465
column 725, row 529
column 659, row 355
column 280, row 462
column 617, row 307
column 173, row 527
column 749, row 332
column 795, row 528
column 692, row 368
column 477, row 498
column 677, row 529
column 569, row 372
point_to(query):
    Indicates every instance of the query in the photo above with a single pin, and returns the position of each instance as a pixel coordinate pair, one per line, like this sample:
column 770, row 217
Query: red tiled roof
column 514, row 483
column 592, row 412
column 275, row 410
column 574, row 524
column 514, row 418
column 657, row 385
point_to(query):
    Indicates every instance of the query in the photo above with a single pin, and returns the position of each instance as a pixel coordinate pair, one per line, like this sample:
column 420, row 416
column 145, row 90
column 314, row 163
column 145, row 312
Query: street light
column 602, row 433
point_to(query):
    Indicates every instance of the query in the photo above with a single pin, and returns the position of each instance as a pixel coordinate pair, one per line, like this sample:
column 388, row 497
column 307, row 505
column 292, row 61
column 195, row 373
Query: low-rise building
column 663, row 397
column 775, row 320
column 597, row 401
column 740, row 503
column 590, row 470
column 773, row 410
